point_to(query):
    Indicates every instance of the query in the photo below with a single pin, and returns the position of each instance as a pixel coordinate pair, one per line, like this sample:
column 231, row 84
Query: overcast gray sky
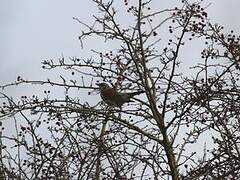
column 31, row 31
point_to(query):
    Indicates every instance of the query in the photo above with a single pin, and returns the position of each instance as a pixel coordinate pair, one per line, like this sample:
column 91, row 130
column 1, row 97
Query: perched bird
column 114, row 98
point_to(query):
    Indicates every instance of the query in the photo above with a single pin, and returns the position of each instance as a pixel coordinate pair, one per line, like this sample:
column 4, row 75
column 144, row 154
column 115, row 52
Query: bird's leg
column 119, row 113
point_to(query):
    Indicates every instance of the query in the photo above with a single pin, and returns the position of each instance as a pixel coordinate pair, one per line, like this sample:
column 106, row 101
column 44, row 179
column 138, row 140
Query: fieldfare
column 114, row 98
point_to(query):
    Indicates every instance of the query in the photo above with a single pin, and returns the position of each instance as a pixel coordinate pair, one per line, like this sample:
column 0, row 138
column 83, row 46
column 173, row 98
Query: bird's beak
column 97, row 84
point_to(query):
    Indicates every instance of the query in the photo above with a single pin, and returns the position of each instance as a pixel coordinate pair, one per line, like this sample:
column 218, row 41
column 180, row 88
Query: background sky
column 32, row 31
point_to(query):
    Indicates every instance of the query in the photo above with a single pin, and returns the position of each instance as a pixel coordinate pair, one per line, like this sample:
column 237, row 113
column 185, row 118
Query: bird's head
column 103, row 86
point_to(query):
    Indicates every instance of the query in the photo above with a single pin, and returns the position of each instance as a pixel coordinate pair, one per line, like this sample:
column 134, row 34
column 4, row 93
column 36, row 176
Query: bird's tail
column 136, row 93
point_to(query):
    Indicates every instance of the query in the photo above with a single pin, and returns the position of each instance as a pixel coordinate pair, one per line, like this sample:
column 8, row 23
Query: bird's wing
column 112, row 97
column 126, row 97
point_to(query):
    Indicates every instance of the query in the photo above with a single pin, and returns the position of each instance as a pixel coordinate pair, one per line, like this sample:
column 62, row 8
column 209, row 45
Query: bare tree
column 153, row 137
